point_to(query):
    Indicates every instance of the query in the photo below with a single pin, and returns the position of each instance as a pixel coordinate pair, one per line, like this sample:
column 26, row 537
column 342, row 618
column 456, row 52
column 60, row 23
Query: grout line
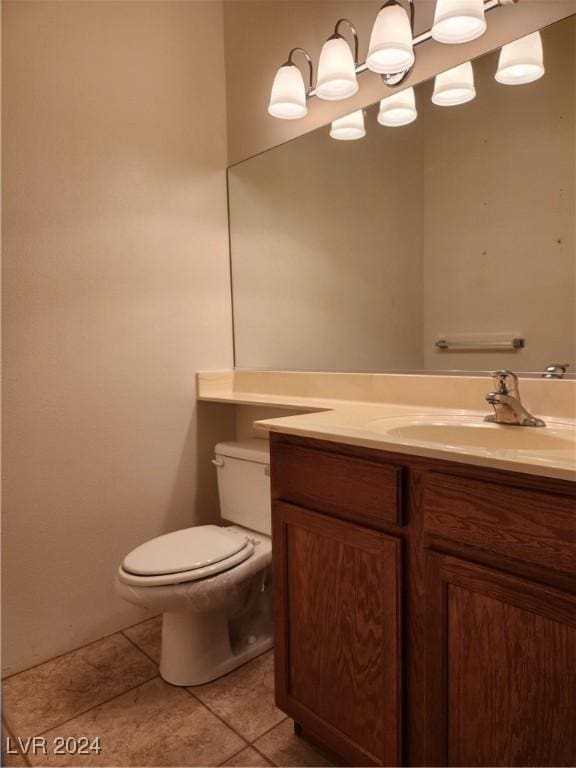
column 233, row 756
column 72, row 650
column 143, row 621
column 231, row 727
column 101, row 703
column 228, row 674
column 138, row 648
column 269, row 729
column 262, row 754
column 244, row 739
column 250, row 746
column 240, row 735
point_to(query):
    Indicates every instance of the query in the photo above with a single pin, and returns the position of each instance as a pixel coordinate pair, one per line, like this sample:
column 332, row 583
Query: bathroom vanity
column 425, row 608
column 424, row 559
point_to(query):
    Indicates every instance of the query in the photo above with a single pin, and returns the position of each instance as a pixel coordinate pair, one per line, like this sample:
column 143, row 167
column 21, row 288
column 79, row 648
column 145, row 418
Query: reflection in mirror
column 446, row 243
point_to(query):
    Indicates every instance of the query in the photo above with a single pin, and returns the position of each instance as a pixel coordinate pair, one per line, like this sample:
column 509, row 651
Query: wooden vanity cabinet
column 338, row 559
column 501, row 668
column 425, row 610
column 338, row 621
column 500, row 644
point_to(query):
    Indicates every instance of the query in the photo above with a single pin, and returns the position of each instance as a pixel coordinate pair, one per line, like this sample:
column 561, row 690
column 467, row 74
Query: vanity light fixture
column 456, row 86
column 350, row 127
column 390, row 53
column 398, row 109
column 458, row 21
column 521, row 61
column 337, row 67
column 391, row 50
column 288, row 96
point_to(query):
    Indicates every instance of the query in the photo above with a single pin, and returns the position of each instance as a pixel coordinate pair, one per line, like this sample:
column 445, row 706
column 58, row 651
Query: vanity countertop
column 441, row 433
column 411, row 414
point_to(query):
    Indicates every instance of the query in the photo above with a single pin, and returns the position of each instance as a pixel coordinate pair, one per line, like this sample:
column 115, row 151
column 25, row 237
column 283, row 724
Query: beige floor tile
column 147, row 636
column 44, row 696
column 155, row 724
column 248, row 758
column 284, row 748
column 245, row 697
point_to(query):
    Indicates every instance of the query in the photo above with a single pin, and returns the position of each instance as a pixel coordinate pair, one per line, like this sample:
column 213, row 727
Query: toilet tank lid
column 249, row 450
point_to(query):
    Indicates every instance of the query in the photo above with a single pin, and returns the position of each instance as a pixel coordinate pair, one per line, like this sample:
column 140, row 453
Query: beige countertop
column 440, row 433
column 438, row 417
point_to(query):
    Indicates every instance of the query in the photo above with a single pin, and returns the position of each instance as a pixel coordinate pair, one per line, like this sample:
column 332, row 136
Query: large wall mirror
column 445, row 244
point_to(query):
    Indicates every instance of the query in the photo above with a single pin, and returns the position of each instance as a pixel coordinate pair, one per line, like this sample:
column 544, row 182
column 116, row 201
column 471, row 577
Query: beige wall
column 499, row 236
column 116, row 290
column 327, row 253
column 260, row 33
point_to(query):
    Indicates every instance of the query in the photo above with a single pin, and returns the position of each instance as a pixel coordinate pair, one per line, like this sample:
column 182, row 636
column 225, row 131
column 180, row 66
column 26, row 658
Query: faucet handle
column 555, row 371
column 506, row 382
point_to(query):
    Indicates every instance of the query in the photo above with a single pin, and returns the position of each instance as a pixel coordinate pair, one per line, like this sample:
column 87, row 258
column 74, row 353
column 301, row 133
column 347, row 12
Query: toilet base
column 196, row 648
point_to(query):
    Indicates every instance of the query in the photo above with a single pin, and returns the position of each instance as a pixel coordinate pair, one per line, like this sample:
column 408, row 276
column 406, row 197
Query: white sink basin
column 472, row 433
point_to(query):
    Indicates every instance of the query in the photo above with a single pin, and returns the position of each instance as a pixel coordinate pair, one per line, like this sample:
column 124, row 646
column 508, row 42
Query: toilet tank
column 243, row 470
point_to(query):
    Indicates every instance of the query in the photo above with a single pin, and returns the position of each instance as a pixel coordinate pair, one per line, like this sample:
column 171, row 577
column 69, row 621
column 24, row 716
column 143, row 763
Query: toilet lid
column 184, row 550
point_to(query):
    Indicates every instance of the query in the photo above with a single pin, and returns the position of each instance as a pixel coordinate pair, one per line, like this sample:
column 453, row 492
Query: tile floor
column 111, row 689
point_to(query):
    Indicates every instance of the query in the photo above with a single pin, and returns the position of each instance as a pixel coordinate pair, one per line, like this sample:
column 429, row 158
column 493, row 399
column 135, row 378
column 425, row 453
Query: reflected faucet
column 555, row 371
column 505, row 400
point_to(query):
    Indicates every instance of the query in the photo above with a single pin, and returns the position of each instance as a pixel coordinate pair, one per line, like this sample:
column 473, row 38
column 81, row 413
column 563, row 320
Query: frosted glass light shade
column 458, row 21
column 456, row 86
column 349, row 128
column 336, row 71
column 398, row 109
column 391, row 50
column 288, row 96
column 521, row 61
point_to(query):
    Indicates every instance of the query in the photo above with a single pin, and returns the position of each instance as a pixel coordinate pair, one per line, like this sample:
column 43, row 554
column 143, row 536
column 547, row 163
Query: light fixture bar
column 489, row 5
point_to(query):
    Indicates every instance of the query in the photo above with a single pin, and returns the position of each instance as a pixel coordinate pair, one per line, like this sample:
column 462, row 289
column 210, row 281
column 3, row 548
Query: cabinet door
column 338, row 658
column 501, row 669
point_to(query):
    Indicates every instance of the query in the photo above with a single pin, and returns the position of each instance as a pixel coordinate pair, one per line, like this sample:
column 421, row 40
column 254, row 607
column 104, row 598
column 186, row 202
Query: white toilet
column 212, row 583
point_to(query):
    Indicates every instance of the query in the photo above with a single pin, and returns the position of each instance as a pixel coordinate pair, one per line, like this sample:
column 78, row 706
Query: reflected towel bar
column 480, row 346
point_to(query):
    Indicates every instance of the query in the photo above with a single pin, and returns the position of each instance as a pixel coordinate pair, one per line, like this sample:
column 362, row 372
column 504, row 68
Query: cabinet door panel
column 502, row 669
column 338, row 643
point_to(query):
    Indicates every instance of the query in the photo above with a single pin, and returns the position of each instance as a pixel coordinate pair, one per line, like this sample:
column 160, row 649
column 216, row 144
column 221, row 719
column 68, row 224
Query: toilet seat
column 186, row 555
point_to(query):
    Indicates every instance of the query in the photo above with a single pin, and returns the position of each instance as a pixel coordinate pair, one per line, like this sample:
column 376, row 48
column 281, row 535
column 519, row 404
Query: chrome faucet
column 508, row 408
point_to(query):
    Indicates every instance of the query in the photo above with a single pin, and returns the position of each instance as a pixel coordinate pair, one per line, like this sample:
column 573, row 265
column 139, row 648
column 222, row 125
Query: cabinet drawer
column 355, row 488
column 538, row 528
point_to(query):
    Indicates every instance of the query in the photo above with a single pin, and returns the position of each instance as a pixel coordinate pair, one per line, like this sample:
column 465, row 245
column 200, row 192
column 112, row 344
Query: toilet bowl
column 212, row 583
